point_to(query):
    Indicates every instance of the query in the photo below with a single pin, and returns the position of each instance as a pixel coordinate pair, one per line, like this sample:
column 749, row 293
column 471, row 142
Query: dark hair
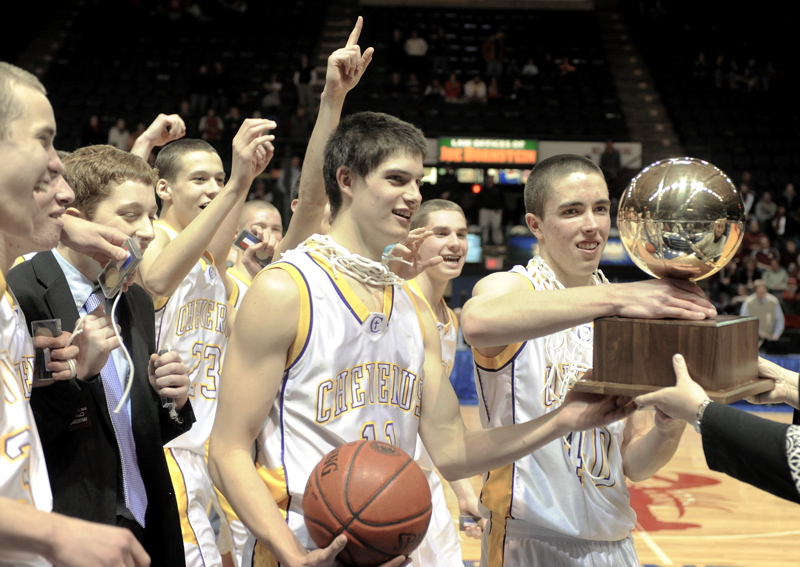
column 361, row 143
column 168, row 161
column 550, row 171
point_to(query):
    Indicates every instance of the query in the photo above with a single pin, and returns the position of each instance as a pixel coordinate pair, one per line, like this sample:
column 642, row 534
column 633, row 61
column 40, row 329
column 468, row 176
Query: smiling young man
column 448, row 225
column 343, row 353
column 565, row 503
column 31, row 198
column 105, row 466
column 184, row 271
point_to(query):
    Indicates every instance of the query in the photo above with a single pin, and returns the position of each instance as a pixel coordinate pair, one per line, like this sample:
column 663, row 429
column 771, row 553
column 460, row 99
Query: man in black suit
column 103, row 466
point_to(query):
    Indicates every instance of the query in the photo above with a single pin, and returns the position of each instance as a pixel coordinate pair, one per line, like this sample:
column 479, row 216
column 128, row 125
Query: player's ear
column 163, row 190
column 534, row 223
column 345, row 178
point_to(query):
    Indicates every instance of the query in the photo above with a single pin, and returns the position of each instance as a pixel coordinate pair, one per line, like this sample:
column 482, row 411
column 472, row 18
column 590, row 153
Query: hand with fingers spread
column 252, row 151
column 61, row 353
column 95, row 343
column 786, row 385
column 667, row 298
column 265, row 248
column 679, row 401
column 346, row 66
column 404, row 258
column 169, row 377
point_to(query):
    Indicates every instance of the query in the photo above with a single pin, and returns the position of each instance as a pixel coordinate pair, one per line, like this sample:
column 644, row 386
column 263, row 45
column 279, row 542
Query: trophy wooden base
column 634, row 356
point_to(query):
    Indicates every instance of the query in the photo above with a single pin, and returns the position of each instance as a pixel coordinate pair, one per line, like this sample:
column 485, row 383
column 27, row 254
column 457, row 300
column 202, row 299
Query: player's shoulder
column 278, row 281
column 501, row 283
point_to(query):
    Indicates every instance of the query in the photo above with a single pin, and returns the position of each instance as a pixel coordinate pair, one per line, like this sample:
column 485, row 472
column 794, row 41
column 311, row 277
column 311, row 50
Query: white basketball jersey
column 23, row 475
column 242, row 282
column 192, row 322
column 574, row 485
column 351, row 374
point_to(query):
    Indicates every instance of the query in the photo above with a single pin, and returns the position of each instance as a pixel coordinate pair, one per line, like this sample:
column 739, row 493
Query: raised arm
column 167, row 262
column 163, row 130
column 504, row 310
column 459, row 452
column 345, row 68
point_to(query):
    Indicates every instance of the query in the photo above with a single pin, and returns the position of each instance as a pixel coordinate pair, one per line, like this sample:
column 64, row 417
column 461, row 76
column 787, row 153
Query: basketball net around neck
column 563, row 349
column 342, row 260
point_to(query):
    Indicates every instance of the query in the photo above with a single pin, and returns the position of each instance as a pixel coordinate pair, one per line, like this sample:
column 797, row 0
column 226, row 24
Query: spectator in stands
column 751, row 240
column 413, row 87
column 719, row 71
column 199, row 87
column 299, row 126
column 789, row 197
column 396, row 88
column 765, row 253
column 748, row 198
column 529, row 69
column 435, row 92
column 790, row 304
column 475, row 90
column 734, row 306
column 747, row 273
column 396, row 53
column 566, row 66
column 304, row 78
column 776, row 277
column 751, row 75
column 765, row 209
column 788, row 252
column 92, row 134
column 211, row 128
column 118, row 135
column 453, row 89
column 218, row 84
column 490, row 211
column 416, row 49
column 189, row 118
column 494, row 54
column 272, row 98
column 437, row 50
column 611, row 164
column 494, row 92
column 767, row 309
column 700, row 66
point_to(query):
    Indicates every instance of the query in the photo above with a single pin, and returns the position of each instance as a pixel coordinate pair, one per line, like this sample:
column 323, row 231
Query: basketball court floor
column 691, row 516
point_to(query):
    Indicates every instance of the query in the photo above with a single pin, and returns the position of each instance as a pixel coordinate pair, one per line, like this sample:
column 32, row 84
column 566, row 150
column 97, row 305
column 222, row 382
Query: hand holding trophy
column 679, row 218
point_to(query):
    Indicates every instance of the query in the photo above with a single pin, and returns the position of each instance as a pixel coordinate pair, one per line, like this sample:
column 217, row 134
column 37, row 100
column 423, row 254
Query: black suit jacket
column 75, row 427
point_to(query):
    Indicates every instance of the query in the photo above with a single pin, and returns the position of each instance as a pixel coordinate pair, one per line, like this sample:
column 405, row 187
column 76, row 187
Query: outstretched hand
column 657, row 299
column 679, row 401
column 327, row 557
column 405, row 260
column 583, row 410
column 346, row 66
column 786, row 385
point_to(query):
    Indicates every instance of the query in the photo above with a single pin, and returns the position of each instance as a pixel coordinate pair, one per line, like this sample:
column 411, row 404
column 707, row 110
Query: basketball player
column 448, row 225
column 565, row 503
column 263, row 220
column 29, row 533
column 184, row 271
column 108, row 466
column 343, row 352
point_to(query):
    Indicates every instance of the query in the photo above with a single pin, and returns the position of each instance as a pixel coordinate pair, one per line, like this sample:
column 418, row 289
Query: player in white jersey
column 262, row 220
column 565, row 503
column 373, row 169
column 184, row 271
column 31, row 536
column 448, row 225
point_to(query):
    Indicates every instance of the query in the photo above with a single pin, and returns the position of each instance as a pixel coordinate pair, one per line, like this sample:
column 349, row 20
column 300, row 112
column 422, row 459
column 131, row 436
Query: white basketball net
column 563, row 349
column 342, row 260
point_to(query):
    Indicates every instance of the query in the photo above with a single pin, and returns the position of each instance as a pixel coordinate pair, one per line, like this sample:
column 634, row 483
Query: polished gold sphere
column 681, row 218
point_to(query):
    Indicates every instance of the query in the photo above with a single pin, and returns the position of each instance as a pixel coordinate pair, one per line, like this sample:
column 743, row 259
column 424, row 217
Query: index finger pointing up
column 353, row 39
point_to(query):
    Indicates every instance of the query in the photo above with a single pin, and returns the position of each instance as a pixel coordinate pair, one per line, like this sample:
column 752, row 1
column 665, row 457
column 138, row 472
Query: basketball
column 375, row 494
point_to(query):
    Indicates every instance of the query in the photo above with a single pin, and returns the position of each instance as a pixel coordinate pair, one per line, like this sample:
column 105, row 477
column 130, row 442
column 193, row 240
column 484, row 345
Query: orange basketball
column 375, row 494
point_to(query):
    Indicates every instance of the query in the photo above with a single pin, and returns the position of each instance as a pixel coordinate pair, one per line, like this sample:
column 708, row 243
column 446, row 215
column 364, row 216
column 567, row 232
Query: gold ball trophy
column 678, row 218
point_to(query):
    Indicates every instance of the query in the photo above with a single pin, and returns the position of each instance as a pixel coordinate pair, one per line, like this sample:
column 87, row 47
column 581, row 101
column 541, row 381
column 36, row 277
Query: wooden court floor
column 691, row 516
